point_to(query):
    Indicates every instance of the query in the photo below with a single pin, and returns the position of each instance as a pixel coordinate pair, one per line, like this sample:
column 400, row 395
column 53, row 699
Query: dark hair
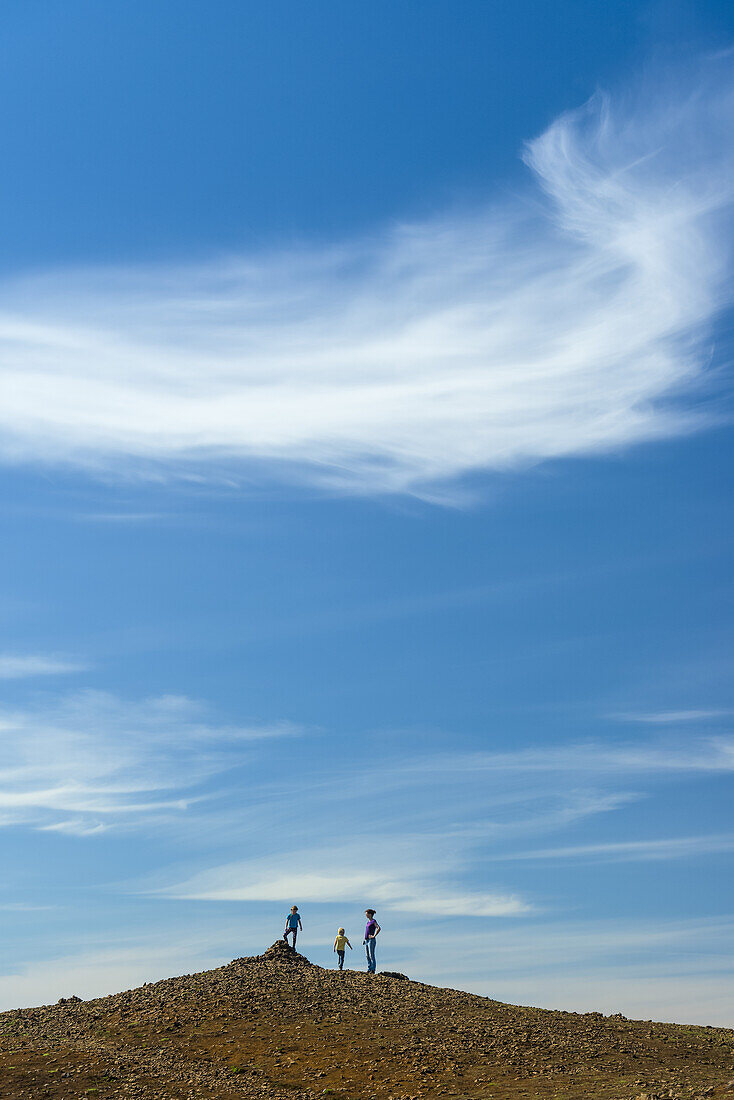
column 370, row 912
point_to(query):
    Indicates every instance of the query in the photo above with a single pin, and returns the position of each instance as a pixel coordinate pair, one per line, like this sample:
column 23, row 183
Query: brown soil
column 275, row 1026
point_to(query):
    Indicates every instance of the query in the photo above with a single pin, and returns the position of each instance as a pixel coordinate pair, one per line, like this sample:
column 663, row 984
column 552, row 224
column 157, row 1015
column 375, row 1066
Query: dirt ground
column 276, row 1026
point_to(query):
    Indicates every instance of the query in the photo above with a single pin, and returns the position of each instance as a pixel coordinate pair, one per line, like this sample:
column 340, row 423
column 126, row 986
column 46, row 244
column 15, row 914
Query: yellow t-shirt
column 341, row 942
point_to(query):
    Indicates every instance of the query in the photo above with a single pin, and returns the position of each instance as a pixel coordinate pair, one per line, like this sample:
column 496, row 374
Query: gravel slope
column 276, row 1026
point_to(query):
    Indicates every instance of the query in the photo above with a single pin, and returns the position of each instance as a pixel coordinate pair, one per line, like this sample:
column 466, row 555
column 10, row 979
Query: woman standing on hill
column 371, row 933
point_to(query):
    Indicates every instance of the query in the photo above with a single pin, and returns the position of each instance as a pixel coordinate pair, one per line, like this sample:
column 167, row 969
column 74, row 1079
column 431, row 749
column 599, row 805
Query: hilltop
column 275, row 1026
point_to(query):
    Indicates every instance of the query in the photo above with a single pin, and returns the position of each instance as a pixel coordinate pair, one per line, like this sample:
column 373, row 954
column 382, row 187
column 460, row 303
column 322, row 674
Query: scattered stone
column 277, row 1027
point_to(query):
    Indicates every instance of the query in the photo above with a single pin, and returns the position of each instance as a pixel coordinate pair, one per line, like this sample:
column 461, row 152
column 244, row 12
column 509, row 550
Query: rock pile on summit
column 276, row 1026
column 281, row 950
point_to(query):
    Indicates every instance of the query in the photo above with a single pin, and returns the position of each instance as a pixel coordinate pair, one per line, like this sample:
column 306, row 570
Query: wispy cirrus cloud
column 590, row 758
column 126, row 517
column 404, row 879
column 437, row 823
column 629, row 850
column 19, row 666
column 671, row 717
column 87, row 761
column 558, row 323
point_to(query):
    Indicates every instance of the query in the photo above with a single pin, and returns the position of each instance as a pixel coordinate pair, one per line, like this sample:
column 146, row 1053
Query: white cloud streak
column 439, row 823
column 702, row 754
column 672, row 717
column 537, row 328
column 628, row 850
column 402, row 879
column 19, row 666
column 88, row 761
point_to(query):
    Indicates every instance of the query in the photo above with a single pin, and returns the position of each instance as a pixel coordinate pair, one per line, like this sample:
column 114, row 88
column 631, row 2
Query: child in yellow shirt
column 340, row 943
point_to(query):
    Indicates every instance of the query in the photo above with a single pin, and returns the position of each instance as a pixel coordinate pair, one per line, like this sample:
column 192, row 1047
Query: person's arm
column 349, row 945
column 377, row 929
column 299, row 924
column 335, row 945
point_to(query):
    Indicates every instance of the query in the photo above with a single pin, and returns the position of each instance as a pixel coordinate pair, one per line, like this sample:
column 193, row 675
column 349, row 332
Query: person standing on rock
column 292, row 924
column 371, row 933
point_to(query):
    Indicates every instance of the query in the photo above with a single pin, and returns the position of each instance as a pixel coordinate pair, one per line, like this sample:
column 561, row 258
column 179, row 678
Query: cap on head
column 340, row 931
column 370, row 912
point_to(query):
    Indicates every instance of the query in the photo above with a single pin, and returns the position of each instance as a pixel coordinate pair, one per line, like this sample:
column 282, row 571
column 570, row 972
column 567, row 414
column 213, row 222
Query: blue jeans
column 370, row 952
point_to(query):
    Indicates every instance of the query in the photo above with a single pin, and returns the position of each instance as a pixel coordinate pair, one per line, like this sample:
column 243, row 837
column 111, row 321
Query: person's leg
column 371, row 955
column 295, row 934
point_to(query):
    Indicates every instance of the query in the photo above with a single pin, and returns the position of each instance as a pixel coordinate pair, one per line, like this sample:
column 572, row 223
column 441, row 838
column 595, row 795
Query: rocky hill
column 275, row 1026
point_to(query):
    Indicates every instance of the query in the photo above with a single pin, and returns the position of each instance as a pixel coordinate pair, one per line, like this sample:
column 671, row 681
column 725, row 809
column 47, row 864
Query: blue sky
column 365, row 465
